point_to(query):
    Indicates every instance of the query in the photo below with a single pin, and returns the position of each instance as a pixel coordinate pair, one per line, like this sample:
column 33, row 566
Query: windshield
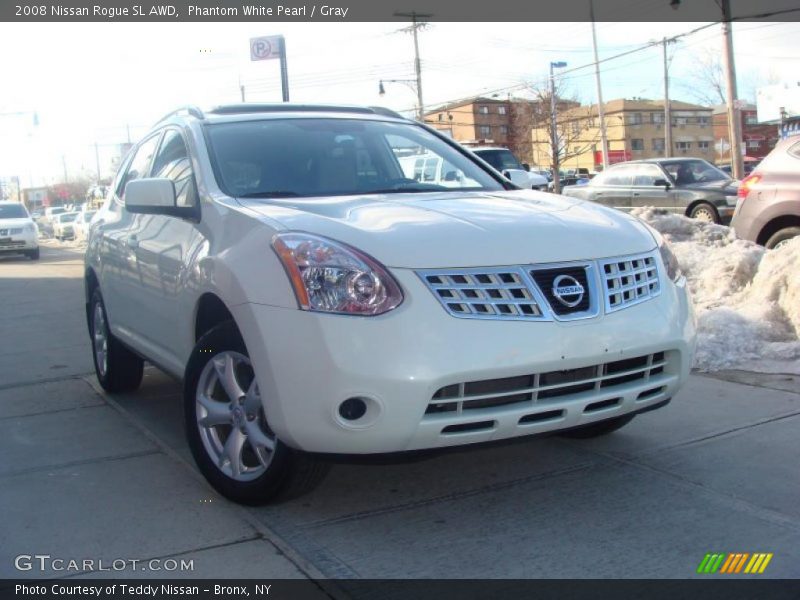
column 687, row 172
column 499, row 159
column 13, row 211
column 323, row 157
column 67, row 217
column 87, row 215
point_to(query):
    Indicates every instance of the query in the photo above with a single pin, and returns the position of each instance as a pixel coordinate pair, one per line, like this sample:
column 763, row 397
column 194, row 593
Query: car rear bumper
column 585, row 371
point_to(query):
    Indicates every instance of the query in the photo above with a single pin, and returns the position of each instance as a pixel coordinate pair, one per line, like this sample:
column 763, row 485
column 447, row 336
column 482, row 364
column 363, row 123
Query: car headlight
column 670, row 262
column 332, row 277
column 30, row 228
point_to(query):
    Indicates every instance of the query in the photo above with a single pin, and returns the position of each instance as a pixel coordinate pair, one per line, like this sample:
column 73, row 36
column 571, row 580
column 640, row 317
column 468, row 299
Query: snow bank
column 747, row 298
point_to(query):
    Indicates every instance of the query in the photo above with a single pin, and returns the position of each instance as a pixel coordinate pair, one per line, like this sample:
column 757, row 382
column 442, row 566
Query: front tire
column 228, row 431
column 33, row 254
column 598, row 429
column 703, row 211
column 117, row 368
column 781, row 237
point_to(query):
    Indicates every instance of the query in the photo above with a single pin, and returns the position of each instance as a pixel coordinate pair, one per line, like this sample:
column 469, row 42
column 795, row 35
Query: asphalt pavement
column 87, row 476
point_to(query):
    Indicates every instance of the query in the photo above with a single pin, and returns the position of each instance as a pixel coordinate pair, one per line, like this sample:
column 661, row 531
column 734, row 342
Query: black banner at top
column 391, row 10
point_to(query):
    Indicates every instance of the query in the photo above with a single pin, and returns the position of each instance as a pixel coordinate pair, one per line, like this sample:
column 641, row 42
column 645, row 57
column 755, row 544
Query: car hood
column 464, row 229
column 9, row 223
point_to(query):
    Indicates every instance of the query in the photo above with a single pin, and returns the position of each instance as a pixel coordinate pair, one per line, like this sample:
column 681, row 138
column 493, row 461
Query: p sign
column 266, row 48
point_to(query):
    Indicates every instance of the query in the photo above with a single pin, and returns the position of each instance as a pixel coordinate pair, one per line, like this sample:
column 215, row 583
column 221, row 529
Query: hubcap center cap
column 238, row 416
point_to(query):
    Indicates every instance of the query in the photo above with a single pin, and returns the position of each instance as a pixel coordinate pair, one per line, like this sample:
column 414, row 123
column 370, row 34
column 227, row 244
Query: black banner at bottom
column 405, row 589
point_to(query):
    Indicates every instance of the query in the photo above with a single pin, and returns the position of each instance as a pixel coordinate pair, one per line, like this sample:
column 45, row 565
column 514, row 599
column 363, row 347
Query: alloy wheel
column 231, row 419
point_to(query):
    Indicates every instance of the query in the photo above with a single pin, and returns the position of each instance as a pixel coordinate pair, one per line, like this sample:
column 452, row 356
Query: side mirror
column 662, row 183
column 526, row 166
column 155, row 196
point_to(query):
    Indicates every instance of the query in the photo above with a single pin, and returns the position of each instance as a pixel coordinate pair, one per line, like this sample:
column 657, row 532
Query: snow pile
column 747, row 298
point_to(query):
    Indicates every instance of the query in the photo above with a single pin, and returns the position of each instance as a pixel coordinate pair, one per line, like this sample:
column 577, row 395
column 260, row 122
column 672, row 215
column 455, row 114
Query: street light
column 554, row 126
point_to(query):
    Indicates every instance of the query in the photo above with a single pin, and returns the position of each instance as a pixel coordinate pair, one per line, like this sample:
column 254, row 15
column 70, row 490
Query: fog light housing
column 353, row 409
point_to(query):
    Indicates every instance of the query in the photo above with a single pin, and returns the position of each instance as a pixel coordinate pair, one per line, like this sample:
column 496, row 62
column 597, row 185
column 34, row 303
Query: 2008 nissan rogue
column 316, row 298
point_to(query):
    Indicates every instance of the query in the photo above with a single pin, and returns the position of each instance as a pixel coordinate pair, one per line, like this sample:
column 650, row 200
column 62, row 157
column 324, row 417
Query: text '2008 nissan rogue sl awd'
column 314, row 299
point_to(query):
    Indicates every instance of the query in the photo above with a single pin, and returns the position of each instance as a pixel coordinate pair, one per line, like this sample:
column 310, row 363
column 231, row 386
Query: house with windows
column 635, row 130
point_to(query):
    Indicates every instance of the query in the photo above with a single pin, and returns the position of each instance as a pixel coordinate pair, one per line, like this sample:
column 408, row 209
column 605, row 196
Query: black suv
column 689, row 186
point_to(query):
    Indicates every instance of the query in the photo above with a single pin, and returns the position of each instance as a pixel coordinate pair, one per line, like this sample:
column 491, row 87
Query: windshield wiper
column 270, row 194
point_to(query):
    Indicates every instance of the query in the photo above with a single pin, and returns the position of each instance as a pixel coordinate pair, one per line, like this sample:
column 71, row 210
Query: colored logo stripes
column 734, row 562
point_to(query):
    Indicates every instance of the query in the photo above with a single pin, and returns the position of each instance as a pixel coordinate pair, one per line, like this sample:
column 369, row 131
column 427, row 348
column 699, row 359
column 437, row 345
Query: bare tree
column 575, row 126
column 707, row 80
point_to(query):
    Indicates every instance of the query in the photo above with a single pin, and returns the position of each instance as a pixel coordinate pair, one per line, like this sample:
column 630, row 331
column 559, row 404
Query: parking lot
column 89, row 476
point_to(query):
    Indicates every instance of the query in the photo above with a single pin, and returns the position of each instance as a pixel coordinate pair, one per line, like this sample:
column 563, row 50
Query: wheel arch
column 210, row 311
column 775, row 225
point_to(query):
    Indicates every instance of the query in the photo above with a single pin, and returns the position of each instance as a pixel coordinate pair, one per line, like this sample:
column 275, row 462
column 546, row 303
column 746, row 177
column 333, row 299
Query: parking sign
column 266, row 48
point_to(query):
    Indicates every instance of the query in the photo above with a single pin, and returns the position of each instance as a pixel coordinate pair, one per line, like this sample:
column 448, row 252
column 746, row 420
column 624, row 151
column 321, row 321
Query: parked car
column 82, row 224
column 18, row 232
column 431, row 168
column 64, row 225
column 689, row 186
column 519, row 173
column 768, row 211
column 51, row 211
column 313, row 299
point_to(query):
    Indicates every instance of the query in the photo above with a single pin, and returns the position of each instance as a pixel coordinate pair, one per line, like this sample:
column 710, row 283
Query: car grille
column 485, row 293
column 528, row 292
column 629, row 281
column 543, row 387
column 11, row 244
column 15, row 231
column 575, row 303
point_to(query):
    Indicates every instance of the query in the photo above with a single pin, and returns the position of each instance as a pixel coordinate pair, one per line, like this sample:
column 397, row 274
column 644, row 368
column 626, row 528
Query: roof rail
column 386, row 112
column 237, row 109
column 188, row 109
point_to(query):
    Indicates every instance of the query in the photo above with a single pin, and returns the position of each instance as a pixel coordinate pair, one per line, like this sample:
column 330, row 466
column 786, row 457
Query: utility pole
column 554, row 128
column 667, row 108
column 734, row 120
column 64, row 164
column 415, row 25
column 601, row 109
column 241, row 89
column 97, row 160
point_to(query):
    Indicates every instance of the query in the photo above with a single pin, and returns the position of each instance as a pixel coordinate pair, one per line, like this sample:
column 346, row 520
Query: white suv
column 315, row 299
column 18, row 231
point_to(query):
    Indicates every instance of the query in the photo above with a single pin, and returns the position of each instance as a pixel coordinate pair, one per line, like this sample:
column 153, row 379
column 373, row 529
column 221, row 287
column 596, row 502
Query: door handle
column 635, row 193
column 133, row 242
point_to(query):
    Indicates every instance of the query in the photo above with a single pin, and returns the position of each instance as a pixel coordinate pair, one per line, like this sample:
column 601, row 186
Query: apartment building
column 504, row 122
column 473, row 119
column 635, row 130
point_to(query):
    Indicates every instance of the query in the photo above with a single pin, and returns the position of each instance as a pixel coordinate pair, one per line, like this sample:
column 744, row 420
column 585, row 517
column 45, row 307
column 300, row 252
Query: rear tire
column 781, row 237
column 598, row 429
column 703, row 211
column 117, row 368
column 228, row 431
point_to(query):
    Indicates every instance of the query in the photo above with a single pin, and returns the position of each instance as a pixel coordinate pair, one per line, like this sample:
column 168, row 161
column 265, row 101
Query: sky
column 99, row 83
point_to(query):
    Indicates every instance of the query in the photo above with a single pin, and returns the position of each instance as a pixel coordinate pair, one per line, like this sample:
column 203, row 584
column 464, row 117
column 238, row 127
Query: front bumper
column 307, row 364
column 19, row 242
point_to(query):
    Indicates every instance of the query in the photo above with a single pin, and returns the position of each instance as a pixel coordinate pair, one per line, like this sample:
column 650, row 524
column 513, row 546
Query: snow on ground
column 747, row 298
